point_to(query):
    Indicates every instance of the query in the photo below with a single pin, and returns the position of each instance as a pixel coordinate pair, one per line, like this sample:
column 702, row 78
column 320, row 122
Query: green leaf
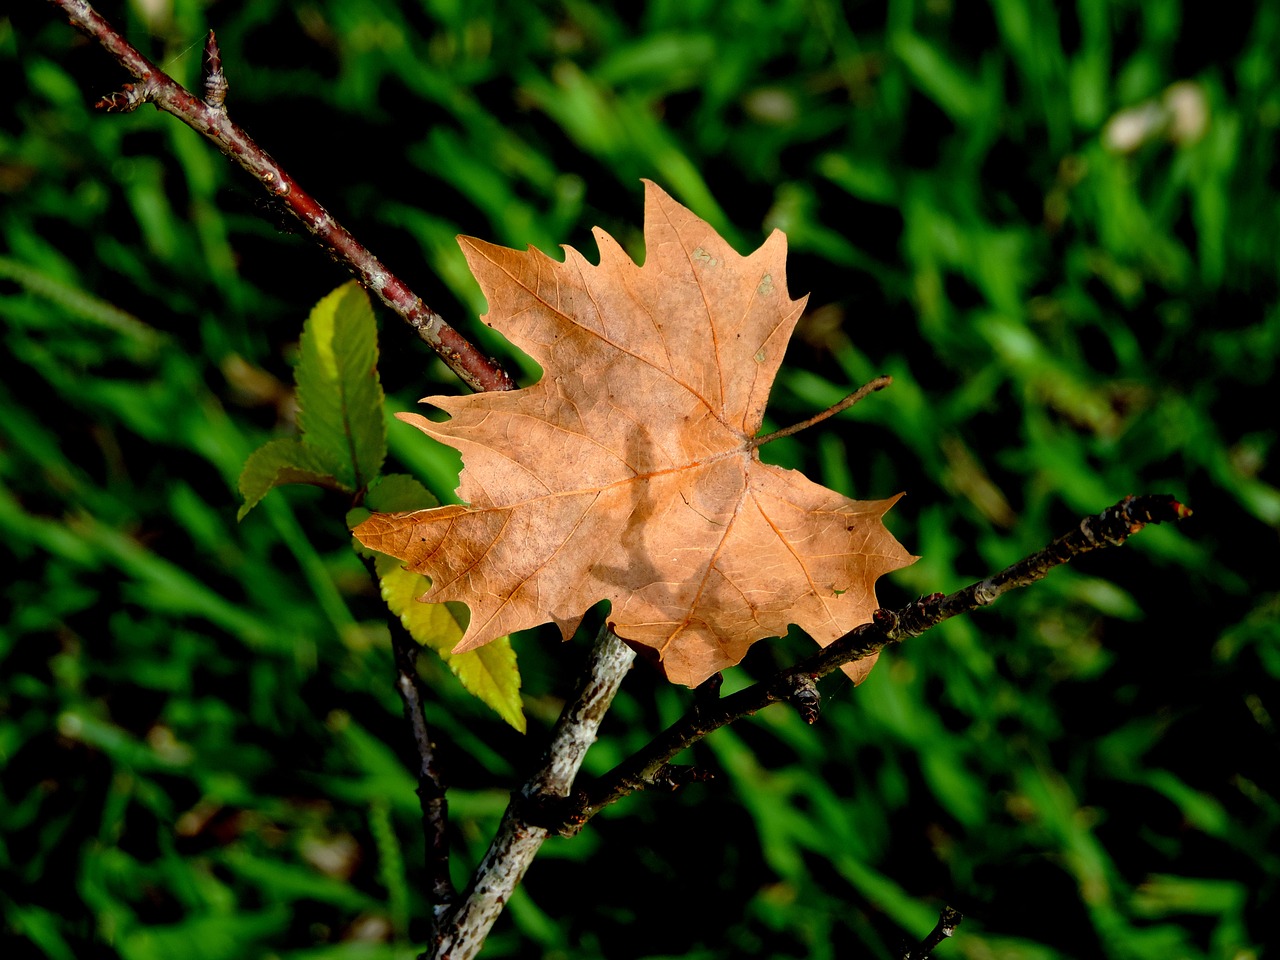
column 339, row 395
column 489, row 673
column 399, row 491
column 287, row 461
column 344, row 434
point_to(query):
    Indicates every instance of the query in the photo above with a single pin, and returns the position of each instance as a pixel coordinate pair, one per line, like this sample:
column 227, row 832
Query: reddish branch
column 209, row 117
column 1107, row 529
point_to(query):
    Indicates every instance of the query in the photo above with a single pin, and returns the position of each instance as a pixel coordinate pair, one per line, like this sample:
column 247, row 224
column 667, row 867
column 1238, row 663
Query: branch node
column 126, row 100
column 918, row 617
column 213, row 82
column 672, row 777
column 708, row 714
column 207, row 115
column 804, row 696
column 887, row 622
column 983, row 593
column 276, row 185
column 555, row 814
column 708, row 691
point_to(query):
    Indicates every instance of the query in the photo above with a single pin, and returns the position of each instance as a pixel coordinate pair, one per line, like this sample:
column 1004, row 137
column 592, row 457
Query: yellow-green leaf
column 339, row 395
column 489, row 673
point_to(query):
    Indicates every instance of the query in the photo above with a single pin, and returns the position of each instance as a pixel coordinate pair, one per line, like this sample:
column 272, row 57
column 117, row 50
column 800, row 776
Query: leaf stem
column 879, row 383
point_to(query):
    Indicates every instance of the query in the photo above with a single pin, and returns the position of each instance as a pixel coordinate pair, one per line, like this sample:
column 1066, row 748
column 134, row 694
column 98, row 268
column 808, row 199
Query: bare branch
column 948, row 920
column 462, row 931
column 431, row 788
column 209, row 117
column 1109, row 528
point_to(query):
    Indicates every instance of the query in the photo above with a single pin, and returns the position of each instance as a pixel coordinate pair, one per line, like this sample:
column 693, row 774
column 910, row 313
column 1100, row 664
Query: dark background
column 1054, row 224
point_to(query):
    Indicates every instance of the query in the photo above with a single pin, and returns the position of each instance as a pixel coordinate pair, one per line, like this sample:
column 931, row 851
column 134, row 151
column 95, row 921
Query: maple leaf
column 629, row 471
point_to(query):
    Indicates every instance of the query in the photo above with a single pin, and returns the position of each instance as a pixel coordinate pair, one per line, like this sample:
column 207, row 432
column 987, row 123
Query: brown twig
column 1109, row 528
column 948, row 920
column 209, row 117
column 431, row 789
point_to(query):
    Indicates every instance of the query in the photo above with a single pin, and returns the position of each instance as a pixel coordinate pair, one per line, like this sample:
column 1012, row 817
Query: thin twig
column 210, row 119
column 431, row 789
column 879, row 383
column 1109, row 528
column 948, row 920
column 462, row 932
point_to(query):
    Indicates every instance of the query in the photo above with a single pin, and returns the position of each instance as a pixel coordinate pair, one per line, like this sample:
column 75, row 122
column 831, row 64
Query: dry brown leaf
column 627, row 472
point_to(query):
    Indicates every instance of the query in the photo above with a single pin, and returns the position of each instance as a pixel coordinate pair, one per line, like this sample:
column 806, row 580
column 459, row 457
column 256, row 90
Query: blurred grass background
column 1054, row 224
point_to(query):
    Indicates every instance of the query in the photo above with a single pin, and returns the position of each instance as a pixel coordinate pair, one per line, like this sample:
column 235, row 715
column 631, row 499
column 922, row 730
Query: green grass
column 201, row 751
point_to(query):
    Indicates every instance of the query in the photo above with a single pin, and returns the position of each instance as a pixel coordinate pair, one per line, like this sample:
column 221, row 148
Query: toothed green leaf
column 286, row 461
column 339, row 396
column 489, row 672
